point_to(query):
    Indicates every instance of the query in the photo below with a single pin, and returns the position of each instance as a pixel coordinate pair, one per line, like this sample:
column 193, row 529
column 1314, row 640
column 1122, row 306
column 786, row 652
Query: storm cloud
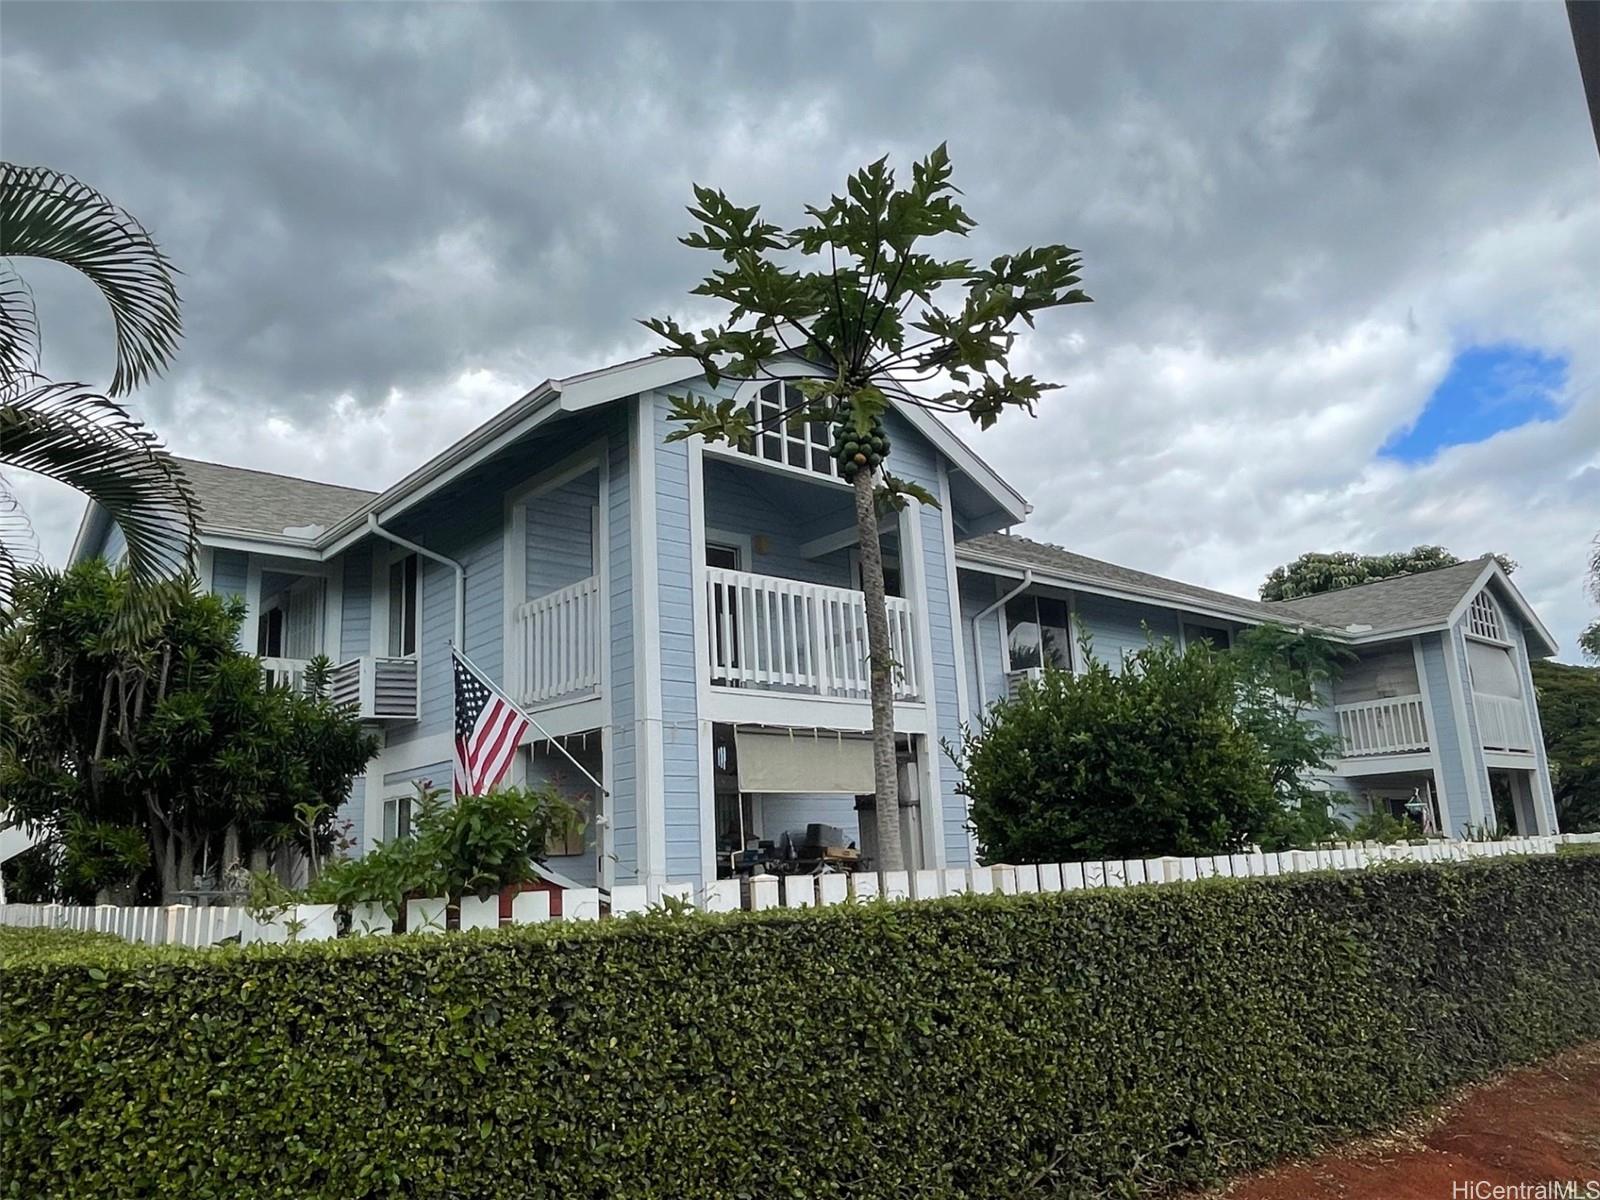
column 395, row 219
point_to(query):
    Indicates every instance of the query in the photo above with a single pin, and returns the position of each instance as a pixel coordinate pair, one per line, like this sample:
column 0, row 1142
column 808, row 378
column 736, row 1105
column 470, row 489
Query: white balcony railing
column 286, row 672
column 556, row 643
column 792, row 636
column 1503, row 722
column 381, row 689
column 1395, row 725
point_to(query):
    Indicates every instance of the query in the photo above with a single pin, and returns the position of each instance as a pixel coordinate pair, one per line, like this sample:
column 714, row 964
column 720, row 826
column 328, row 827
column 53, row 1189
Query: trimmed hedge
column 983, row 1046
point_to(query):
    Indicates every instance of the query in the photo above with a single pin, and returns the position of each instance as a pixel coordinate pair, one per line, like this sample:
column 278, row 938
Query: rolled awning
column 803, row 762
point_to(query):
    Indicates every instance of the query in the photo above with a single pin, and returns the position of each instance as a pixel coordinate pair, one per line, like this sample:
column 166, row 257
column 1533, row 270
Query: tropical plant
column 1283, row 679
column 1143, row 759
column 844, row 326
column 142, row 757
column 1313, row 573
column 474, row 844
column 68, row 431
column 1569, row 714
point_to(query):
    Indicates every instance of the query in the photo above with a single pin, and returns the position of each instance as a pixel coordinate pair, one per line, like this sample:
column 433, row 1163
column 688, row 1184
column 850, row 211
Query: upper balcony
column 380, row 689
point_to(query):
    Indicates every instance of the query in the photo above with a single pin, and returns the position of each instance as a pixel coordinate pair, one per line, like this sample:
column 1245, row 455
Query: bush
column 998, row 1046
column 1148, row 761
column 469, row 844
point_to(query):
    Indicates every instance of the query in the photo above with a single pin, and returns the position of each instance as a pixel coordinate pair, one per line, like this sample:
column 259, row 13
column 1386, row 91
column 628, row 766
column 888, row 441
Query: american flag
column 488, row 730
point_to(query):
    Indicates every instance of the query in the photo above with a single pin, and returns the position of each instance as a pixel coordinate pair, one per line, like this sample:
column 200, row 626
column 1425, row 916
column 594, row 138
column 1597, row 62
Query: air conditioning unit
column 1015, row 679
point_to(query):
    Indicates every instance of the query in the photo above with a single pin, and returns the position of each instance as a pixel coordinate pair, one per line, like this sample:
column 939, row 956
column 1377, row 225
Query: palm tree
column 69, row 431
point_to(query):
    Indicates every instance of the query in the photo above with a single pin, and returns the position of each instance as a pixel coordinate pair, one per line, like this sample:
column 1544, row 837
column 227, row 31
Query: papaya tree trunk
column 885, row 773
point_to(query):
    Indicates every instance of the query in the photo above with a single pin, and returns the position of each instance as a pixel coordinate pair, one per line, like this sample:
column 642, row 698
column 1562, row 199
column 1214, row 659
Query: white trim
column 839, row 539
column 650, row 747
column 1440, row 797
column 378, row 618
column 1492, row 570
column 605, row 840
column 204, row 568
column 1471, row 746
column 1382, row 764
column 742, row 542
column 747, row 706
column 248, row 633
column 728, row 454
column 953, row 585
column 294, row 548
column 699, row 538
column 1513, row 761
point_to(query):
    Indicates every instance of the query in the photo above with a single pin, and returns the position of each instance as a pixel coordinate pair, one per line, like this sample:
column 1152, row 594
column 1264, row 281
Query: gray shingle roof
column 1025, row 552
column 1425, row 598
column 261, row 502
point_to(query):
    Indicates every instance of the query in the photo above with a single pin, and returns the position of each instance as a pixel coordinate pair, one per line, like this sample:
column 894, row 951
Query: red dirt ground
column 1528, row 1127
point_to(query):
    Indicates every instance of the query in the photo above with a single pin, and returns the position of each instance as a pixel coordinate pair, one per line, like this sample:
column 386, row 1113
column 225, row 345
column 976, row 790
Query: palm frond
column 91, row 443
column 19, row 324
column 45, row 214
column 19, row 544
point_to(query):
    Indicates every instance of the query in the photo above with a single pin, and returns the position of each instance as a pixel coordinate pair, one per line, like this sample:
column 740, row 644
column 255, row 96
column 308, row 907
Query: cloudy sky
column 1345, row 258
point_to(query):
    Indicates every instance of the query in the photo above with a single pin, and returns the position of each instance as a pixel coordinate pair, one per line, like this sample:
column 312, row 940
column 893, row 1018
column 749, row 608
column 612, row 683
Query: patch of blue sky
column 1488, row 390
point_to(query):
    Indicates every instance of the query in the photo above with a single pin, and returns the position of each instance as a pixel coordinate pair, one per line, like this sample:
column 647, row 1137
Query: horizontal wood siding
column 400, row 783
column 1117, row 627
column 355, row 622
column 560, row 535
column 679, row 654
column 115, row 545
column 737, row 503
column 229, row 570
column 1446, row 734
column 620, row 691
column 978, row 592
column 353, row 811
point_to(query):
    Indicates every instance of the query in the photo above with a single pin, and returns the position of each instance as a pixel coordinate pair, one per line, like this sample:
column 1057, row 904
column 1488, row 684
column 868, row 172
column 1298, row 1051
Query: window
column 892, row 583
column 1483, row 618
column 269, row 640
column 396, row 818
column 403, row 606
column 1038, row 633
column 548, row 766
column 1492, row 670
column 805, row 448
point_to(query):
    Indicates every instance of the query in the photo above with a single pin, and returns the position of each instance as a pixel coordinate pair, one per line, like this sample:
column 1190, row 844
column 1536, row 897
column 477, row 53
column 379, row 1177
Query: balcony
column 786, row 635
column 555, row 644
column 1503, row 723
column 381, row 689
column 286, row 672
column 1394, row 725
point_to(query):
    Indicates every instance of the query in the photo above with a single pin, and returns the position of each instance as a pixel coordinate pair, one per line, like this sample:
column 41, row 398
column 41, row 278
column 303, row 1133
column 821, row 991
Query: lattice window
column 1483, row 618
column 805, row 448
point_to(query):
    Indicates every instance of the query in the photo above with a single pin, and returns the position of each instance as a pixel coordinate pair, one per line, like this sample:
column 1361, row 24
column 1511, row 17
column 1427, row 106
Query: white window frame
column 1488, row 625
column 397, row 554
column 401, row 804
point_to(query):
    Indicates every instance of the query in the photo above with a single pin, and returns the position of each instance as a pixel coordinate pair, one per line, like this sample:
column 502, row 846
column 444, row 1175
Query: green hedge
column 985, row 1046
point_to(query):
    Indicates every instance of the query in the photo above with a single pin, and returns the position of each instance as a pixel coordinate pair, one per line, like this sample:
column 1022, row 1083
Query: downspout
column 461, row 572
column 977, row 638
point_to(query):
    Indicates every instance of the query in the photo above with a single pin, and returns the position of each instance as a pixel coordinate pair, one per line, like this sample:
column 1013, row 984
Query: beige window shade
column 778, row 761
column 1493, row 671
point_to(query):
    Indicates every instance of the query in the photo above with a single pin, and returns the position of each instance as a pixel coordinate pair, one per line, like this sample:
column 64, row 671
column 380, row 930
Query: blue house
column 685, row 620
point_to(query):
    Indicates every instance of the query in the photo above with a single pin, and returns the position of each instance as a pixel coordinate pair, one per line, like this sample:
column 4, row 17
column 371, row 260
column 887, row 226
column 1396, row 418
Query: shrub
column 1106, row 764
column 471, row 844
column 1087, row 1043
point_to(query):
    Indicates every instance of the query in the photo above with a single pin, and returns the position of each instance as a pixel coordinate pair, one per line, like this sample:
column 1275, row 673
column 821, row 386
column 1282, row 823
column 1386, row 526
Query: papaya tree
column 857, row 294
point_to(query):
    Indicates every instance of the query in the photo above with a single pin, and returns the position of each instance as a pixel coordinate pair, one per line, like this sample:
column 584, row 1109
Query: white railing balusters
column 1502, row 722
column 1395, row 725
column 558, row 640
column 788, row 634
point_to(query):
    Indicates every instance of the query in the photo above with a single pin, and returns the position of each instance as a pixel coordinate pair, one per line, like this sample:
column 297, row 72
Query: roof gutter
column 460, row 572
column 977, row 641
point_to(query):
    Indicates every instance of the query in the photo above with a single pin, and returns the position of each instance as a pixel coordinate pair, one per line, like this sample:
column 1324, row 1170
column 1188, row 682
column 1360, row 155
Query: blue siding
column 1473, row 759
column 782, row 811
column 737, row 504
column 115, row 547
column 978, row 592
column 355, row 618
column 680, row 699
column 437, row 774
column 1118, row 627
column 354, row 810
column 621, row 692
column 1544, row 794
column 560, row 535
column 1446, row 735
column 229, row 569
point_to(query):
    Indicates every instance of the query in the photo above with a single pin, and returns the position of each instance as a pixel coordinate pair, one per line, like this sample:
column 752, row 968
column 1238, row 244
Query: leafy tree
column 1589, row 639
column 1313, row 573
column 849, row 320
column 1148, row 760
column 139, row 757
column 67, row 430
column 1569, row 712
column 1284, row 678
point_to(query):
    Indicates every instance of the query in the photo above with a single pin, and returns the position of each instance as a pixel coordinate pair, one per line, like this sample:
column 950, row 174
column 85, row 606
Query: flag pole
column 582, row 770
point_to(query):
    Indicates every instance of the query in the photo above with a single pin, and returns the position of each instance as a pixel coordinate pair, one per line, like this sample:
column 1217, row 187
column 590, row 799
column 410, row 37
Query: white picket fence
column 183, row 925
